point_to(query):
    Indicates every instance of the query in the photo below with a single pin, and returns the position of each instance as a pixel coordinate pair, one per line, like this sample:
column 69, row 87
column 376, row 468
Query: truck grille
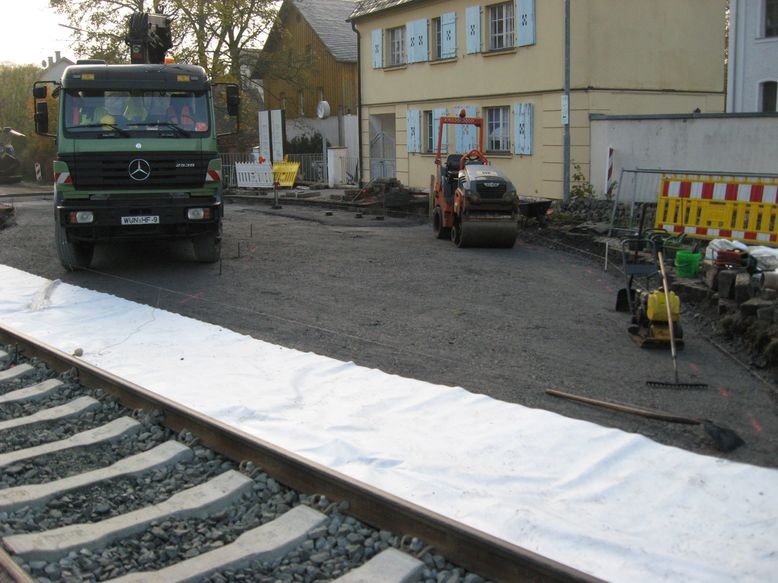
column 491, row 189
column 111, row 170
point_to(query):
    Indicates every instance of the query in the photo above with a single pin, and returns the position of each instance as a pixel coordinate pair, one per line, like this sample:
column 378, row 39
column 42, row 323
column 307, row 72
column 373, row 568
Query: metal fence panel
column 382, row 168
column 642, row 187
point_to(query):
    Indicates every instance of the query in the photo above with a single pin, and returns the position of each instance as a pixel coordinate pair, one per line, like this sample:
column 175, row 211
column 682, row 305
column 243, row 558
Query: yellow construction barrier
column 709, row 207
column 285, row 173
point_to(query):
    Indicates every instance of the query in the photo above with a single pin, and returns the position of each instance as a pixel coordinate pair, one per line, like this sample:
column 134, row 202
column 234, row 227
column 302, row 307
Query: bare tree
column 211, row 33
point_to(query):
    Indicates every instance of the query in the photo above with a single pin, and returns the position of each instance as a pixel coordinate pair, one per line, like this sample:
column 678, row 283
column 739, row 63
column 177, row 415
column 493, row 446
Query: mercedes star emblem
column 139, row 169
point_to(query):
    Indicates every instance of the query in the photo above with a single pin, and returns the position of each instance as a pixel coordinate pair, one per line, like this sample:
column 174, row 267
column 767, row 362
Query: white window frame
column 428, row 132
column 762, row 89
column 765, row 22
column 501, row 19
column 396, row 46
column 494, row 117
column 436, row 39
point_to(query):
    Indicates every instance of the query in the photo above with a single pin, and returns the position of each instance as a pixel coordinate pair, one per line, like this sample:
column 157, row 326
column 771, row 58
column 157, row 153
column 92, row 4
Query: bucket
column 686, row 263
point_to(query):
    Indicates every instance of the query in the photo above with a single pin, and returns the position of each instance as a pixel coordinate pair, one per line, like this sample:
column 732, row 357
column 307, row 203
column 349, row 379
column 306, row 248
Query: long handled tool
column 724, row 439
column 626, row 295
column 676, row 384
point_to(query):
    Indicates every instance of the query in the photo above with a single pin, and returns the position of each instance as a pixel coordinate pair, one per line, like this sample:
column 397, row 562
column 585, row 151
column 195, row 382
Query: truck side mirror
column 39, row 92
column 42, row 117
column 233, row 100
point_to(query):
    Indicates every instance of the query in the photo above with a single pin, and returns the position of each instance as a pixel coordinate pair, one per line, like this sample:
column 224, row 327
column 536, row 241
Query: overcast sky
column 30, row 33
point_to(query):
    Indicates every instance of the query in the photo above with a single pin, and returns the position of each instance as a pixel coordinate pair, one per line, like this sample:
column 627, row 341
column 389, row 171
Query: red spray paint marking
column 757, row 427
column 724, row 392
column 694, row 367
column 188, row 298
column 253, row 248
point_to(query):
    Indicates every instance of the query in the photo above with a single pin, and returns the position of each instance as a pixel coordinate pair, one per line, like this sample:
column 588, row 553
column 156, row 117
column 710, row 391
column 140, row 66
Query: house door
column 383, row 163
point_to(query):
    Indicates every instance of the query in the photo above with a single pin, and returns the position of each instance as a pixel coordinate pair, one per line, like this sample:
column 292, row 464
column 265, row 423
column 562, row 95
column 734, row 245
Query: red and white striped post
column 608, row 170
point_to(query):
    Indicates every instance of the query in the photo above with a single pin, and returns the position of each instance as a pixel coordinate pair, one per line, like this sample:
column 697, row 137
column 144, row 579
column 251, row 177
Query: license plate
column 144, row 220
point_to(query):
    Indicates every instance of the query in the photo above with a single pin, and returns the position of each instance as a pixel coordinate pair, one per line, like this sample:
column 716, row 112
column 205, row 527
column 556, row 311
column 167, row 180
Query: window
column 501, row 23
column 397, row 46
column 135, row 112
column 771, row 18
column 435, row 39
column 429, row 132
column 498, row 130
column 769, row 90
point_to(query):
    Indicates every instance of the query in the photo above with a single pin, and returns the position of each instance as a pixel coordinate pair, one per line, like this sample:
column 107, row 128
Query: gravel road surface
column 509, row 323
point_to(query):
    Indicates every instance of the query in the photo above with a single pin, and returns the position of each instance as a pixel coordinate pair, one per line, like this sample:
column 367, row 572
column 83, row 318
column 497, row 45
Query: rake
column 676, row 384
column 723, row 438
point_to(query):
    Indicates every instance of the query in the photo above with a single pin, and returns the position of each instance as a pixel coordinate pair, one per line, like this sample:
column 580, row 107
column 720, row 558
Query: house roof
column 328, row 20
column 366, row 7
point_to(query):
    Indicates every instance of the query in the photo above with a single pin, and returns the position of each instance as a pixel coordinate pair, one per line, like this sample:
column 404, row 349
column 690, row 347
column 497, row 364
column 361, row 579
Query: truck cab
column 136, row 157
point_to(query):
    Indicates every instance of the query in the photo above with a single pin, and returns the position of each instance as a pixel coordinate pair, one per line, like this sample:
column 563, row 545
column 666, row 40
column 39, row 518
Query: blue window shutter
column 525, row 22
column 378, row 48
column 522, row 128
column 436, row 115
column 417, row 41
column 414, row 131
column 473, row 29
column 410, row 39
column 448, row 35
column 466, row 135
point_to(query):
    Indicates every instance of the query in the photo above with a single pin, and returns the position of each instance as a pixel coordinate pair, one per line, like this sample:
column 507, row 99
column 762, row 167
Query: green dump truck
column 136, row 152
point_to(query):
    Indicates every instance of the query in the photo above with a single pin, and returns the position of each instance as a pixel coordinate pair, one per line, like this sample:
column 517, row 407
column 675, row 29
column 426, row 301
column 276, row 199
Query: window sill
column 497, row 52
column 396, row 67
column 766, row 39
column 500, row 154
column 443, row 61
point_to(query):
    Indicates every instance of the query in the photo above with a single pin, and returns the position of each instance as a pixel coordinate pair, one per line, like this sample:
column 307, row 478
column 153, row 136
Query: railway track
column 102, row 480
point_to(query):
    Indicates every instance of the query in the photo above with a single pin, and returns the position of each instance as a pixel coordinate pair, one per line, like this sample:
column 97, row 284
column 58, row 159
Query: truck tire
column 207, row 248
column 73, row 256
column 438, row 229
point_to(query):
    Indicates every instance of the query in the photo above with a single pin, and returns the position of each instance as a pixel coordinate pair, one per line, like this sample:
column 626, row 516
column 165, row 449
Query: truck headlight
column 198, row 214
column 81, row 217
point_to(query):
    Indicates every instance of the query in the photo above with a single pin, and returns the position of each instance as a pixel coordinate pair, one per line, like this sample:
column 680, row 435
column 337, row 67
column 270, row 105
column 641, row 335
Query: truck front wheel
column 72, row 255
column 207, row 248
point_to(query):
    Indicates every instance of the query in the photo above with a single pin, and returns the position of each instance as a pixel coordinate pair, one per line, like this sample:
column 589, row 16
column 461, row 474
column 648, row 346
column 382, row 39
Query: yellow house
column 505, row 61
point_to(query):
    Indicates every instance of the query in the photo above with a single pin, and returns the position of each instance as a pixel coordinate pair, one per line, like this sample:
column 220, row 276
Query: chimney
column 56, row 56
column 51, row 62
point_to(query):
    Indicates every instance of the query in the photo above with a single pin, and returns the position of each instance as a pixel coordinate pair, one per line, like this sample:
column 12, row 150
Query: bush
column 580, row 187
column 305, row 144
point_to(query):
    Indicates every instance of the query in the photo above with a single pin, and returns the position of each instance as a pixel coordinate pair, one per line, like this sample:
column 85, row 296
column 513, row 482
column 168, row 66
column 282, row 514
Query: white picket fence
column 254, row 175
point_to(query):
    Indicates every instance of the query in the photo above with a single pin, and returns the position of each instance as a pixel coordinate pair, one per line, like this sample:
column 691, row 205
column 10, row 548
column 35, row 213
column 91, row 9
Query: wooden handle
column 625, row 408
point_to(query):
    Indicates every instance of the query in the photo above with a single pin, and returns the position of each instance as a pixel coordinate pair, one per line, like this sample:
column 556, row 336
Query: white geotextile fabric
column 613, row 504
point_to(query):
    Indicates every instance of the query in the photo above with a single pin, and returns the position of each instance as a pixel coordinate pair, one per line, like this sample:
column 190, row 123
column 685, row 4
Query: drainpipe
column 732, row 55
column 359, row 104
column 566, row 146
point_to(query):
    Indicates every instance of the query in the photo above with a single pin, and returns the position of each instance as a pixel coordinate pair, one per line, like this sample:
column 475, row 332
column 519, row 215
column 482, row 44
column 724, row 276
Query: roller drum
column 475, row 233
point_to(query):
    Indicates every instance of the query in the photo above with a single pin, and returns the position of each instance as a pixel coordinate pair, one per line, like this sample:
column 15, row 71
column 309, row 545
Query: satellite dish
column 323, row 110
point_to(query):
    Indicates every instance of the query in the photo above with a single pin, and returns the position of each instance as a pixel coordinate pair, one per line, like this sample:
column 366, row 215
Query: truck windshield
column 172, row 114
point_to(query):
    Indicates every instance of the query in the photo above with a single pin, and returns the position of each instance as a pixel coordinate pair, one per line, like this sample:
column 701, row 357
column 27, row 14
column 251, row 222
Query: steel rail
column 468, row 547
